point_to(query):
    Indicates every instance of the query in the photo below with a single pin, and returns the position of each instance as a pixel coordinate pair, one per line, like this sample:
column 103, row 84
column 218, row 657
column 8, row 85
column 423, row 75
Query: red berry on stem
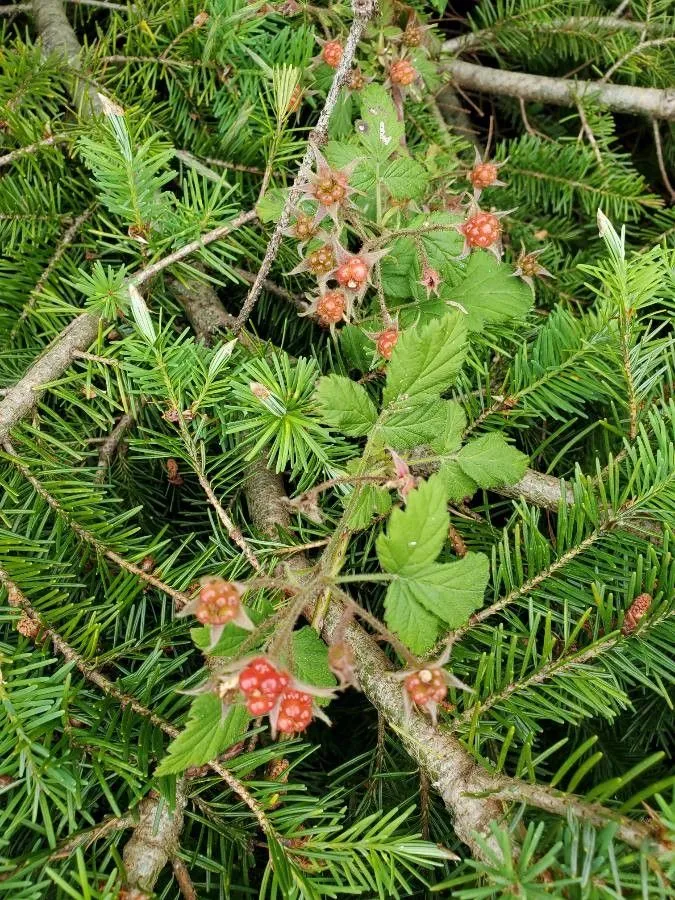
column 330, row 307
column 352, row 274
column 260, row 680
column 386, row 341
column 295, row 712
column 218, row 602
column 482, row 230
column 402, row 72
column 426, row 686
column 483, row 175
column 332, row 53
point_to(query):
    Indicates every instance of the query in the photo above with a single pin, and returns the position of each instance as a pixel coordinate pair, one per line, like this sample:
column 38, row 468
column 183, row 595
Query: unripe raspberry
column 330, row 307
column 386, row 341
column 352, row 274
column 402, row 72
column 482, row 230
column 426, row 686
column 332, row 53
column 483, row 175
column 303, row 227
column 412, row 36
column 218, row 602
column 295, row 712
column 321, row 261
column 356, row 80
column 330, row 187
column 529, row 265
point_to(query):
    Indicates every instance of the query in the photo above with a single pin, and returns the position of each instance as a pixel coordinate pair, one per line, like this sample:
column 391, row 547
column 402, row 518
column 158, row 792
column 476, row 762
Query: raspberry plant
column 337, row 449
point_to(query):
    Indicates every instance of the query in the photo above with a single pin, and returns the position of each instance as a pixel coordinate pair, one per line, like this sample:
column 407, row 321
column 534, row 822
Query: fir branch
column 651, row 102
column 85, row 535
column 9, row 158
column 362, row 11
column 69, row 236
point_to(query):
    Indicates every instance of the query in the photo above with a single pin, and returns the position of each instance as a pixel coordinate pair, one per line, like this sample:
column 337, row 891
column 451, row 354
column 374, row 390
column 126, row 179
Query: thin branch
column 638, row 48
column 476, row 39
column 662, row 166
column 32, row 148
column 363, row 10
column 183, row 879
column 68, row 237
column 634, row 833
column 652, row 102
column 85, row 535
column 276, row 290
column 233, row 531
column 216, row 234
column 110, row 445
column 588, row 131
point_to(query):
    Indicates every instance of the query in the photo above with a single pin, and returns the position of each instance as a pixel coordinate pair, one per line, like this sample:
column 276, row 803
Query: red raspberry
column 261, row 683
column 426, row 686
column 386, row 341
column 330, row 307
column 330, row 187
column 352, row 274
column 402, row 72
column 482, row 230
column 483, row 175
column 321, row 261
column 218, row 602
column 295, row 712
column 332, row 53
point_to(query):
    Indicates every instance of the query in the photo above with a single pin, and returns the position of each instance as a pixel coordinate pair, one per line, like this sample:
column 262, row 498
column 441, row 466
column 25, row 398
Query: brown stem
column 652, row 102
column 59, row 39
column 668, row 184
column 31, row 148
column 154, row 840
column 363, row 10
column 110, row 445
column 183, row 879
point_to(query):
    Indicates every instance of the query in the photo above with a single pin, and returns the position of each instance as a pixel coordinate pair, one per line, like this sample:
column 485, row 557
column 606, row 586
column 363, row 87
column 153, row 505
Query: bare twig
column 662, row 166
column 183, row 879
column 110, row 445
column 363, row 10
column 32, row 148
column 233, row 530
column 588, row 131
column 67, row 239
column 652, row 102
column 638, row 48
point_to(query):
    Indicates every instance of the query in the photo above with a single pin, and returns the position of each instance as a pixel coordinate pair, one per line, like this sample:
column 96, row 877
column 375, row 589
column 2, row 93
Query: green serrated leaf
column 206, row 734
column 417, row 628
column 405, row 179
column 490, row 461
column 457, row 483
column 426, row 360
column 310, row 658
column 408, row 424
column 269, row 207
column 416, row 534
column 345, row 405
column 489, row 292
column 372, row 501
column 380, row 132
column 449, row 436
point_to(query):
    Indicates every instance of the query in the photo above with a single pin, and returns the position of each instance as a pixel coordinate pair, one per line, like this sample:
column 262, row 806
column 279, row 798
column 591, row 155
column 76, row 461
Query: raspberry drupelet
column 482, row 230
column 331, row 53
column 328, row 187
column 385, row 342
column 484, row 174
column 295, row 712
column 402, row 72
column 262, row 684
column 330, row 308
column 218, row 604
column 426, row 686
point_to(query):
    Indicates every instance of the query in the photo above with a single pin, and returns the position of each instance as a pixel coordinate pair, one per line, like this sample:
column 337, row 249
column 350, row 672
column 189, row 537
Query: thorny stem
column 363, row 11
